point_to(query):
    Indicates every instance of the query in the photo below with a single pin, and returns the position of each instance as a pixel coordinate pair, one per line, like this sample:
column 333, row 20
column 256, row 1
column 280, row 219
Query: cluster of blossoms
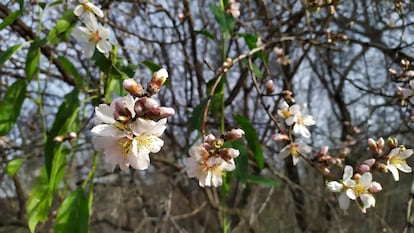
column 209, row 161
column 93, row 34
column 359, row 186
column 405, row 93
column 130, row 127
column 297, row 121
column 233, row 8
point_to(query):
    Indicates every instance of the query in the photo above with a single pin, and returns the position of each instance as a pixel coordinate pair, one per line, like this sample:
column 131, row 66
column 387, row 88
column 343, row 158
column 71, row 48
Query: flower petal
column 343, row 201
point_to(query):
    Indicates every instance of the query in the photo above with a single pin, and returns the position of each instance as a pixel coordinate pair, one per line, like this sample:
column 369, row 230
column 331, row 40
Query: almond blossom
column 295, row 149
column 360, row 189
column 233, row 8
column 301, row 120
column 397, row 161
column 86, row 8
column 93, row 35
column 208, row 169
column 124, row 140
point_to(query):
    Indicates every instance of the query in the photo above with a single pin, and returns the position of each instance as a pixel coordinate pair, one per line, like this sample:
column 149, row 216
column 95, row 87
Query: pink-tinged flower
column 355, row 189
column 301, row 120
column 233, row 8
column 86, row 7
column 295, row 149
column 397, row 161
column 208, row 169
column 409, row 93
column 129, row 141
column 93, row 34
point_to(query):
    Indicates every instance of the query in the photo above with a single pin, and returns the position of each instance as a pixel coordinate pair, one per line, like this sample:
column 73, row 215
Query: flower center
column 294, row 150
column 397, row 161
column 285, row 112
column 96, row 37
column 358, row 189
column 126, row 145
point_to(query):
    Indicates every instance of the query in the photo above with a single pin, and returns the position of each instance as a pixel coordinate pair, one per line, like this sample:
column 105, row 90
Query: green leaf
column 262, row 180
column 6, row 55
column 252, row 139
column 225, row 21
column 256, row 71
column 21, row 5
column 63, row 28
column 73, row 214
column 32, row 61
column 242, row 166
column 205, row 33
column 70, row 68
column 9, row 19
column 151, row 65
column 13, row 166
column 114, row 88
column 39, row 202
column 250, row 39
column 196, row 118
column 10, row 106
column 65, row 122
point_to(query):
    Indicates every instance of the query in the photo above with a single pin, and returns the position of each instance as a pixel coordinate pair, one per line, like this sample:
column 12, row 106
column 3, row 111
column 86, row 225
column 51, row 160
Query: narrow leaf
column 10, row 106
column 252, row 139
column 6, row 55
column 73, row 214
column 70, row 68
column 196, row 118
column 9, row 19
column 13, row 166
column 151, row 65
column 32, row 61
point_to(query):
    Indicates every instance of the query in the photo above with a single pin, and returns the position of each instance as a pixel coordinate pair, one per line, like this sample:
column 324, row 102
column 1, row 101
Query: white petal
column 81, row 33
column 216, row 180
column 89, row 49
column 406, row 154
column 394, row 172
column 192, row 167
column 295, row 160
column 98, row 12
column 405, row 168
column 289, row 121
column 228, row 166
column 106, row 131
column 104, row 113
column 208, row 179
column 348, row 173
column 394, row 152
column 295, row 109
column 343, row 201
column 78, row 10
column 368, row 200
column 91, row 22
column 366, row 179
column 334, row 186
column 351, row 194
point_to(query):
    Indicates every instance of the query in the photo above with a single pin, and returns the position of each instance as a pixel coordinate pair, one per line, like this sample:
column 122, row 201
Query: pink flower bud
column 149, row 103
column 158, row 79
column 229, row 153
column 324, row 150
column 72, row 135
column 132, row 87
column 209, row 138
column 280, row 137
column 364, row 168
column 370, row 162
column 393, row 72
column 269, row 87
column 121, row 113
column 380, row 143
column 375, row 187
column 372, row 144
column 166, row 112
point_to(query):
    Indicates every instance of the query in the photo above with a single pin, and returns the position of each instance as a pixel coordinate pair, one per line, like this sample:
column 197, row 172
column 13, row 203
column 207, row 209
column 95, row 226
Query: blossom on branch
column 355, row 187
column 408, row 93
column 88, row 9
column 397, row 161
column 93, row 35
column 296, row 150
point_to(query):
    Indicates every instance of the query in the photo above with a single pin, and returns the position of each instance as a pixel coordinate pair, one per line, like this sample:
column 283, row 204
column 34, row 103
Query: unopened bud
column 229, row 153
column 166, row 112
column 380, row 143
column 234, row 134
column 72, row 135
column 364, row 168
column 324, row 150
column 280, row 137
column 393, row 72
column 132, row 87
column 269, row 87
column 209, row 138
column 370, row 162
column 408, row 74
column 375, row 187
column 158, row 79
column 357, row 176
column 139, row 109
column 326, row 171
column 149, row 103
column 392, row 142
column 372, row 144
column 121, row 113
column 380, row 167
column 59, row 138
column 405, row 64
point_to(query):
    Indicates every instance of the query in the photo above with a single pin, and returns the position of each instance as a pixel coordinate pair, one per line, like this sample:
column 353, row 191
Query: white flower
column 409, row 93
column 355, row 189
column 129, row 142
column 209, row 170
column 93, row 34
column 86, row 7
column 301, row 120
column 296, row 149
column 234, row 8
column 285, row 112
column 397, row 161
